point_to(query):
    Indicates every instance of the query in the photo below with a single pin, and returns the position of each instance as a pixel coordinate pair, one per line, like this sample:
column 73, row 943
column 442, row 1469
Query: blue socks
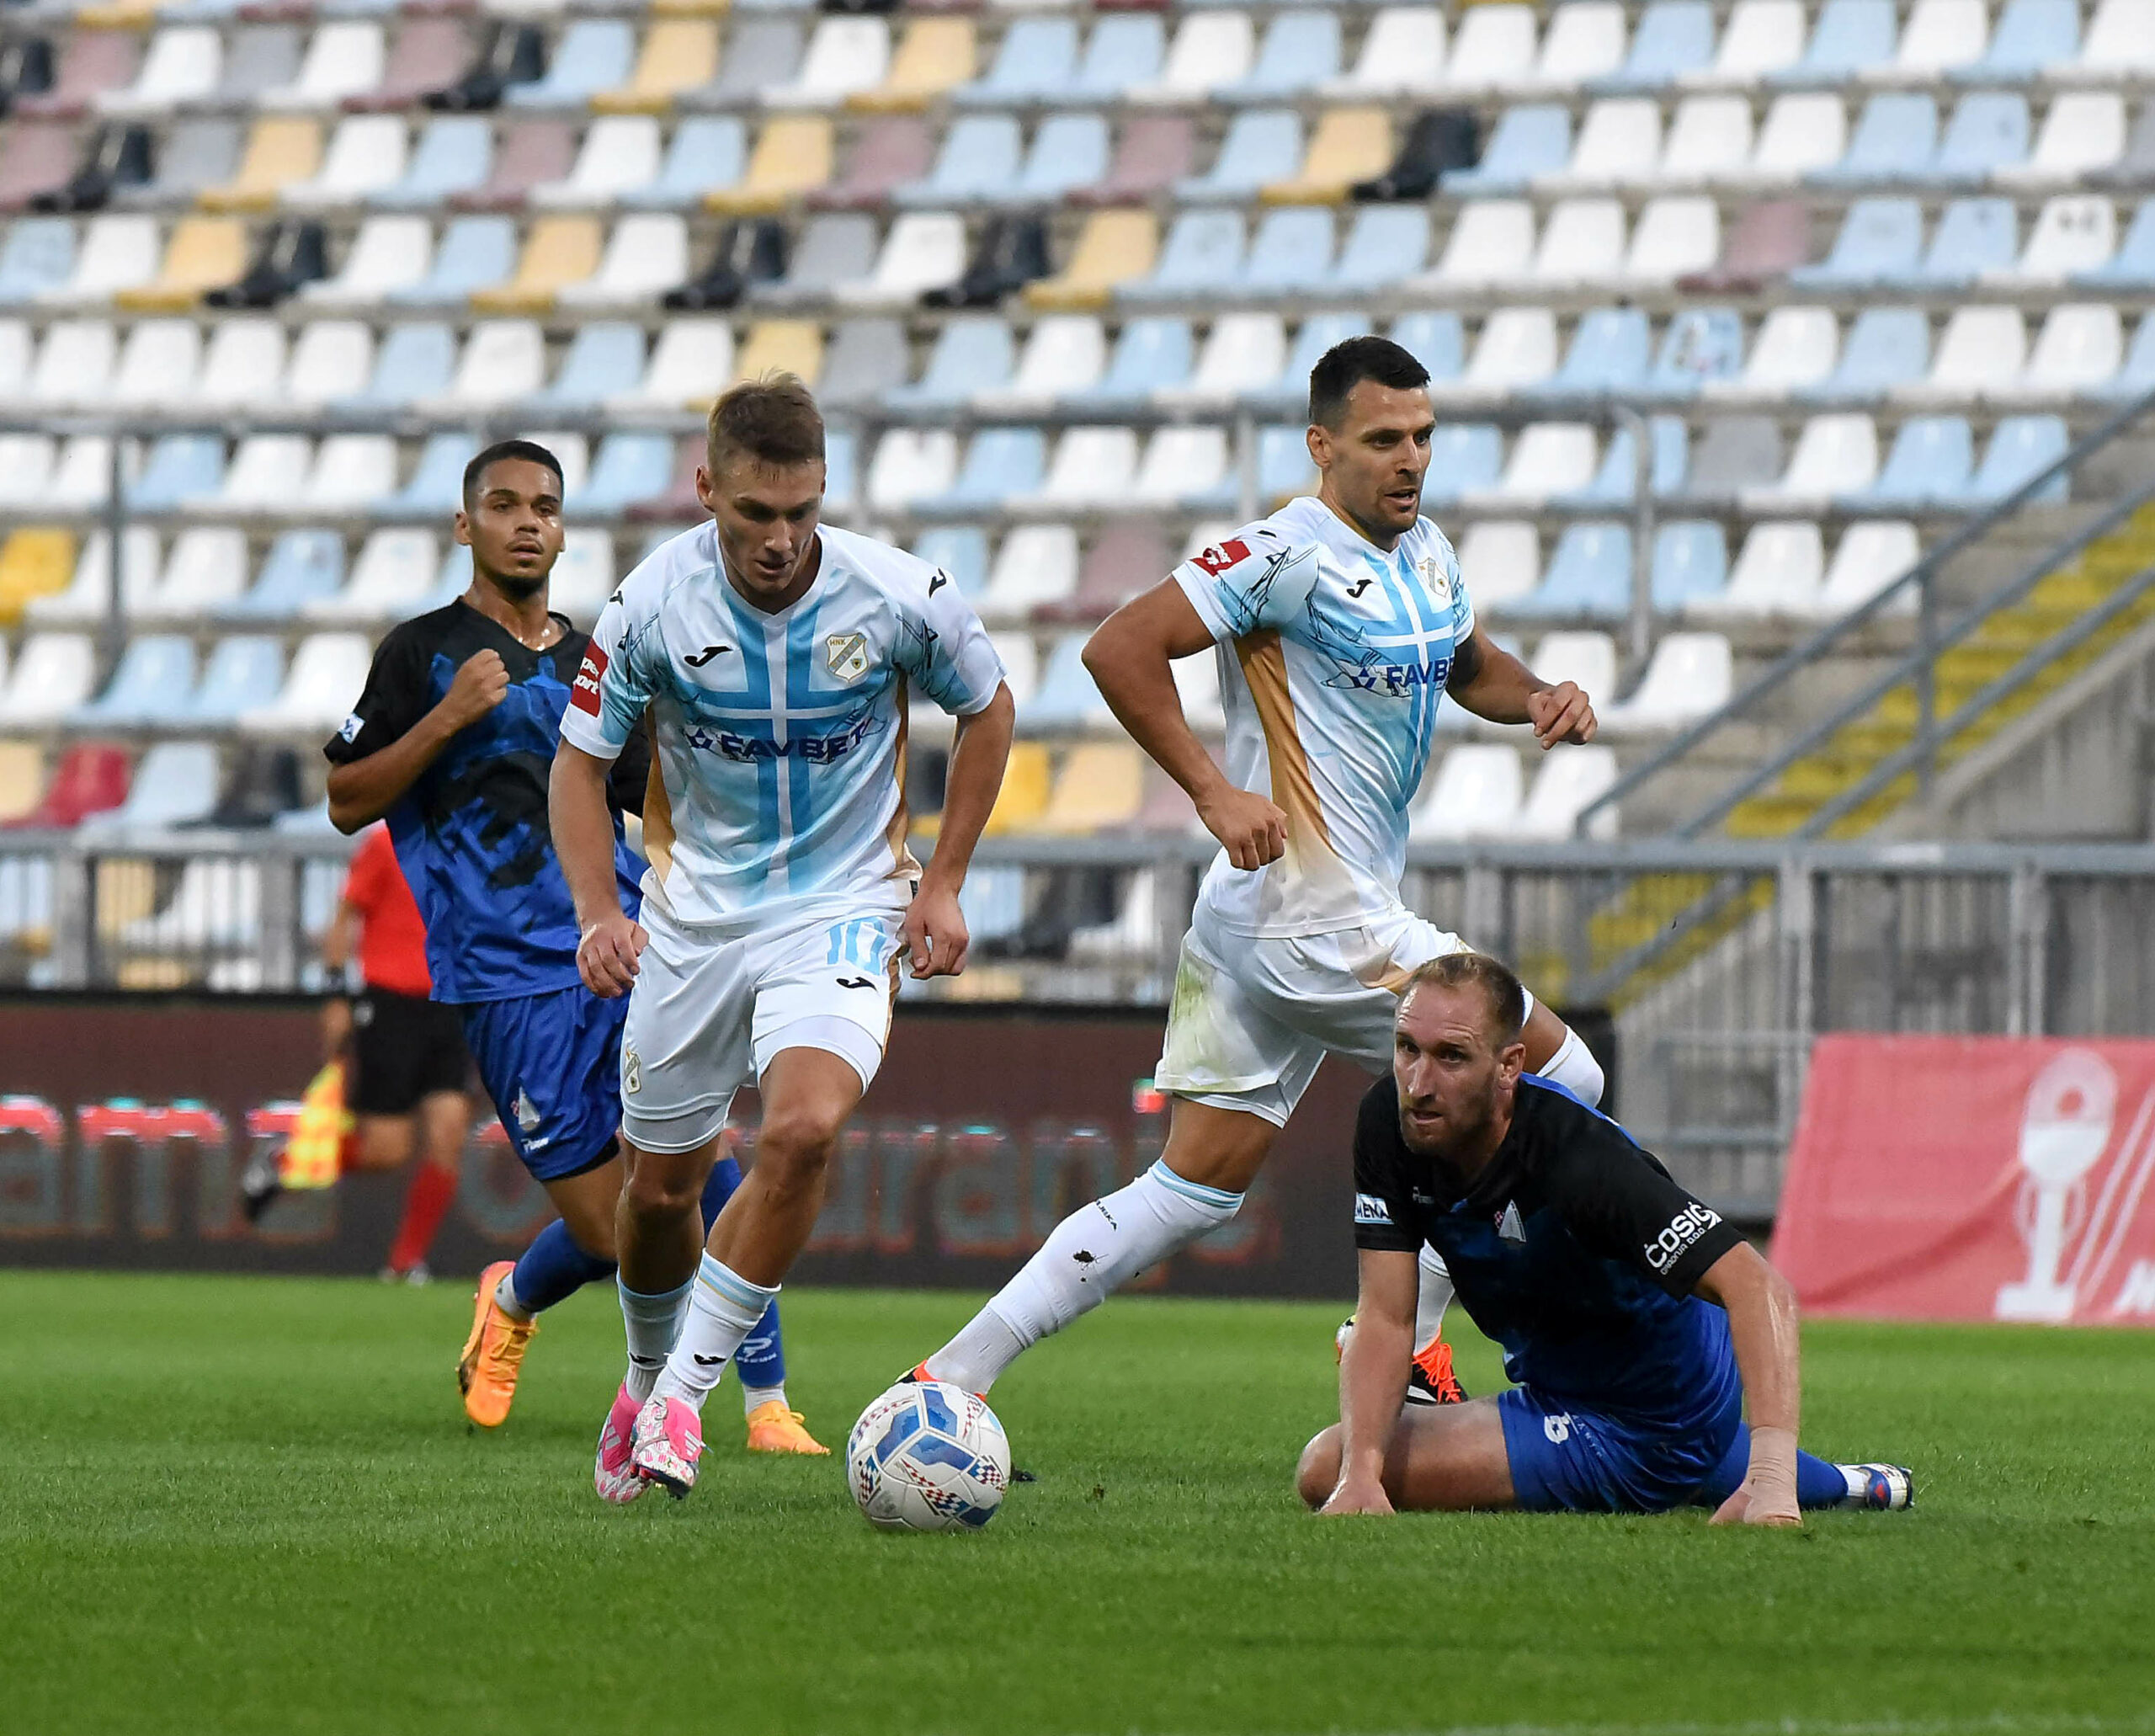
column 1819, row 1483
column 553, row 1268
column 761, row 1360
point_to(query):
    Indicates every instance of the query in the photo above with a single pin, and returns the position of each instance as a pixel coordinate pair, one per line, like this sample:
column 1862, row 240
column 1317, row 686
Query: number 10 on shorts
column 862, row 943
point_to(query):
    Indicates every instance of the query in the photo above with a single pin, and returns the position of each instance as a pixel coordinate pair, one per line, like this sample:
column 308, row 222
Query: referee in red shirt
column 409, row 1070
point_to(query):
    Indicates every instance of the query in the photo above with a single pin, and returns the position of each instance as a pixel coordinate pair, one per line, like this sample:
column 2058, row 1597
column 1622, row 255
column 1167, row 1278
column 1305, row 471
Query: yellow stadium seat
column 559, row 251
column 934, row 55
column 1113, row 248
column 205, row 254
column 1102, row 785
column 22, row 779
column 1350, row 145
column 120, row 15
column 792, row 346
column 689, row 9
column 679, row 55
column 792, row 156
column 280, row 150
column 1025, row 784
column 36, row 561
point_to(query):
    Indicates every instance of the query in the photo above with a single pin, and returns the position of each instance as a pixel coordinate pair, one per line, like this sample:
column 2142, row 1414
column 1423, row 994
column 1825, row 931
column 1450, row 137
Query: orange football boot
column 493, row 1356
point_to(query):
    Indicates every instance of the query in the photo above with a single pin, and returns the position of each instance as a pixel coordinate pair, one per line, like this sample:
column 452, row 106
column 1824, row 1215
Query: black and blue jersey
column 1574, row 1248
column 471, row 832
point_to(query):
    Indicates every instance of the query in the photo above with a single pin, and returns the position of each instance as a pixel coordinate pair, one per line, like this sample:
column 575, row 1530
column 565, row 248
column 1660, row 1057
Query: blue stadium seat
column 605, row 357
column 706, row 152
column 2031, row 35
column 301, row 567
column 155, row 675
column 1881, row 241
column 1588, row 577
column 1702, row 345
column 181, row 468
column 415, row 361
column 1674, row 37
column 1035, row 63
column 1615, row 482
column 1150, row 356
column 454, row 155
column 1066, row 698
column 2137, row 373
column 1896, row 141
column 1848, row 36
column 437, row 481
column 2021, row 447
column 1301, row 50
column 2132, row 267
column 841, row 466
column 1068, row 151
column 39, row 255
column 978, row 161
column 973, row 353
column 1290, row 391
column 245, row 670
column 961, row 551
column 1691, row 563
column 1436, row 340
column 1531, row 139
column 1202, row 256
column 1929, row 466
column 1608, row 355
column 175, row 782
column 473, row 252
column 1125, row 50
column 1262, row 145
column 1464, row 457
column 630, row 469
column 1989, row 130
column 1001, row 463
column 593, row 54
column 1974, row 235
column 1886, row 347
column 1387, row 244
column 1290, row 253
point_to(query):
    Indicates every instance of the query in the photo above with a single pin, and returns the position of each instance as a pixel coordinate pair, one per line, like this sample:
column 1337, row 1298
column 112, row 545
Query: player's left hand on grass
column 1561, row 713
column 934, row 935
column 1356, row 1495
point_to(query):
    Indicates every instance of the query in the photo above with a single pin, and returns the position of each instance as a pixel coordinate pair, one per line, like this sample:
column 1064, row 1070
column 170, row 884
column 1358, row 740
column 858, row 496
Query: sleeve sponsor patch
column 1369, row 1208
column 353, row 725
column 1686, row 1227
column 1216, row 560
column 583, row 694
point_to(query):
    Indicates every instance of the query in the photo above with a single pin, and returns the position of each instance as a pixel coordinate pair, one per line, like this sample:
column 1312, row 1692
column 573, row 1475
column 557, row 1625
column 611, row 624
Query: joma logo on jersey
column 846, row 655
column 1684, row 1229
column 1393, row 681
column 583, row 691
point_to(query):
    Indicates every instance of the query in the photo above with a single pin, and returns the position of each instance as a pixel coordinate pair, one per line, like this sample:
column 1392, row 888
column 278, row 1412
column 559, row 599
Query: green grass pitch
column 253, row 1505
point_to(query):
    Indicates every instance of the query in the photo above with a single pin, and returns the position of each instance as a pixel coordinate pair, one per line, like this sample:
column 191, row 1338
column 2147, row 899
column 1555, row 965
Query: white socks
column 723, row 1309
column 1090, row 1255
column 505, row 1297
column 1574, row 1068
column 1434, row 1297
column 753, row 1398
column 654, row 1323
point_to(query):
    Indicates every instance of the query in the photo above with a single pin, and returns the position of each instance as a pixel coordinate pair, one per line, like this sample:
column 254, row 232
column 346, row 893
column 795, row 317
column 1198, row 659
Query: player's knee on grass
column 1318, row 1473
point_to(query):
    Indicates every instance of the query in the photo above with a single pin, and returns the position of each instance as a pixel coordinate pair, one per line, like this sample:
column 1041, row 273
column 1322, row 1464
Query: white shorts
column 1252, row 1020
column 712, row 1006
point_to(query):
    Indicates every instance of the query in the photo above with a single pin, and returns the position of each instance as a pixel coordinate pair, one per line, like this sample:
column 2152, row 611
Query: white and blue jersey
column 779, row 737
column 1334, row 658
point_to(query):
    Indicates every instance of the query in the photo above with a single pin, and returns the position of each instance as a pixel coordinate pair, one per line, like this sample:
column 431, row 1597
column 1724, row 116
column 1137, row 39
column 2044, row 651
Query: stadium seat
column 1035, row 62
column 1529, row 140
column 1244, row 352
column 1895, row 141
column 1835, row 455
column 203, row 253
column 184, row 469
column 1492, row 242
column 1064, row 355
column 1494, row 50
column 245, row 670
column 393, row 572
column 1850, row 37
column 912, row 465
column 2020, row 448
column 473, row 252
column 706, row 152
column 346, row 57
column 1436, row 340
column 1869, row 557
column 366, row 156
column 1402, row 52
column 620, row 154
column 1518, row 349
column 647, row 254
column 960, row 550
column 1290, row 253
column 2083, row 134
column 890, row 153
column 2132, row 267
column 1090, row 467
column 436, row 483
column 387, row 255
column 1464, row 459
column 2117, row 43
column 83, row 477
column 923, row 251
column 2032, row 36
column 2076, row 354
column 181, row 65
column 301, row 567
column 36, row 562
column 592, row 55
column 51, row 677
column 1675, row 38
column 2137, row 374
column 1607, row 356
column 1154, row 153
column 1778, row 572
column 244, row 365
column 605, row 360
column 205, row 569
column 1795, row 349
column 37, row 259
column 1035, row 567
column 1982, row 352
column 1114, row 249
column 1584, row 43
column 36, row 157
column 2072, row 233
column 153, row 677
column 1548, row 461
column 1701, row 348
column 978, row 163
column 503, row 361
column 1582, row 244
column 1474, row 792
column 1182, row 467
column 1975, row 237
column 118, row 251
column 1615, row 482
column 1586, row 659
column 1617, row 146
column 90, row 63
column 1886, row 347
column 87, row 596
column 1000, row 464
column 327, row 674
column 1501, row 561
column 1123, row 52
column 157, row 365
column 1067, row 151
column 1761, row 37
column 1202, row 254
column 1210, row 50
column 1149, row 354
column 1988, row 132
column 935, row 56
column 789, row 345
column 1691, row 563
column 1690, row 676
column 558, row 252
column 1589, row 577
column 176, row 782
column 1675, row 237
column 1802, row 134
column 280, row 151
column 678, row 56
column 1929, row 466
column 1881, row 241
column 1348, row 147
column 1100, row 788
column 844, row 56
column 22, row 781
column 414, row 363
column 1711, row 140
column 830, row 250
column 349, row 473
column 631, row 469
column 1939, row 36
column 26, row 461
column 867, row 358
column 1301, row 50
column 1260, row 146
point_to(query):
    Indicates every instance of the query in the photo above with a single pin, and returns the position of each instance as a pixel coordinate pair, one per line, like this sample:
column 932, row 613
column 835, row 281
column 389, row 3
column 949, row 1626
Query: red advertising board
column 1938, row 1178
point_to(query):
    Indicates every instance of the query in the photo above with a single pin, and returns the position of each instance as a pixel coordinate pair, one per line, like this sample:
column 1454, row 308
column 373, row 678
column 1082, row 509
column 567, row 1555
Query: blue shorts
column 552, row 1064
column 1583, row 1462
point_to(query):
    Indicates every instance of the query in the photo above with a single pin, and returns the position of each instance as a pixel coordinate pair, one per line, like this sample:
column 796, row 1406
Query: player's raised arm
column 1762, row 1328
column 1492, row 682
column 1373, row 1377
column 365, row 788
column 1130, row 658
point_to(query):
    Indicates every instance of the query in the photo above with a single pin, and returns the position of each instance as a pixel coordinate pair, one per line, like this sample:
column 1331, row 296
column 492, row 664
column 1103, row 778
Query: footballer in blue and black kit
column 471, row 836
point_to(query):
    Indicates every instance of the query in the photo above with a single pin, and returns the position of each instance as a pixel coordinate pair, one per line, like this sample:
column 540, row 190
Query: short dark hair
column 1348, row 363
column 530, row 452
column 774, row 419
column 1503, row 992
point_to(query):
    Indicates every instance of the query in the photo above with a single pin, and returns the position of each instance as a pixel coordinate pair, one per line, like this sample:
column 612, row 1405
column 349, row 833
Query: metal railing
column 1708, row 1060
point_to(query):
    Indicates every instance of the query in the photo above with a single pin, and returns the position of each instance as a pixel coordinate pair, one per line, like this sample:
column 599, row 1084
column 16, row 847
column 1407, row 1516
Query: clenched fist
column 480, row 684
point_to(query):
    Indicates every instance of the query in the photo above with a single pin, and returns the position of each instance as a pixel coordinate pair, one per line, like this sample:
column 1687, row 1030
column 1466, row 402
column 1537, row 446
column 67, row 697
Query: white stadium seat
column 1474, row 793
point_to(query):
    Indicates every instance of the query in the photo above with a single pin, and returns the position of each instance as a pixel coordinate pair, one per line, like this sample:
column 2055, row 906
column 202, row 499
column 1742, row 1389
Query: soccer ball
column 927, row 1456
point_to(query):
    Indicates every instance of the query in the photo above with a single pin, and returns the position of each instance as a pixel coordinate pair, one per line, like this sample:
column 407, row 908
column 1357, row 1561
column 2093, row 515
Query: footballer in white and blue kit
column 773, row 662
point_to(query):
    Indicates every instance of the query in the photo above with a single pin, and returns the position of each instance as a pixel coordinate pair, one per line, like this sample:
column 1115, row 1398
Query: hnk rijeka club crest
column 846, row 655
